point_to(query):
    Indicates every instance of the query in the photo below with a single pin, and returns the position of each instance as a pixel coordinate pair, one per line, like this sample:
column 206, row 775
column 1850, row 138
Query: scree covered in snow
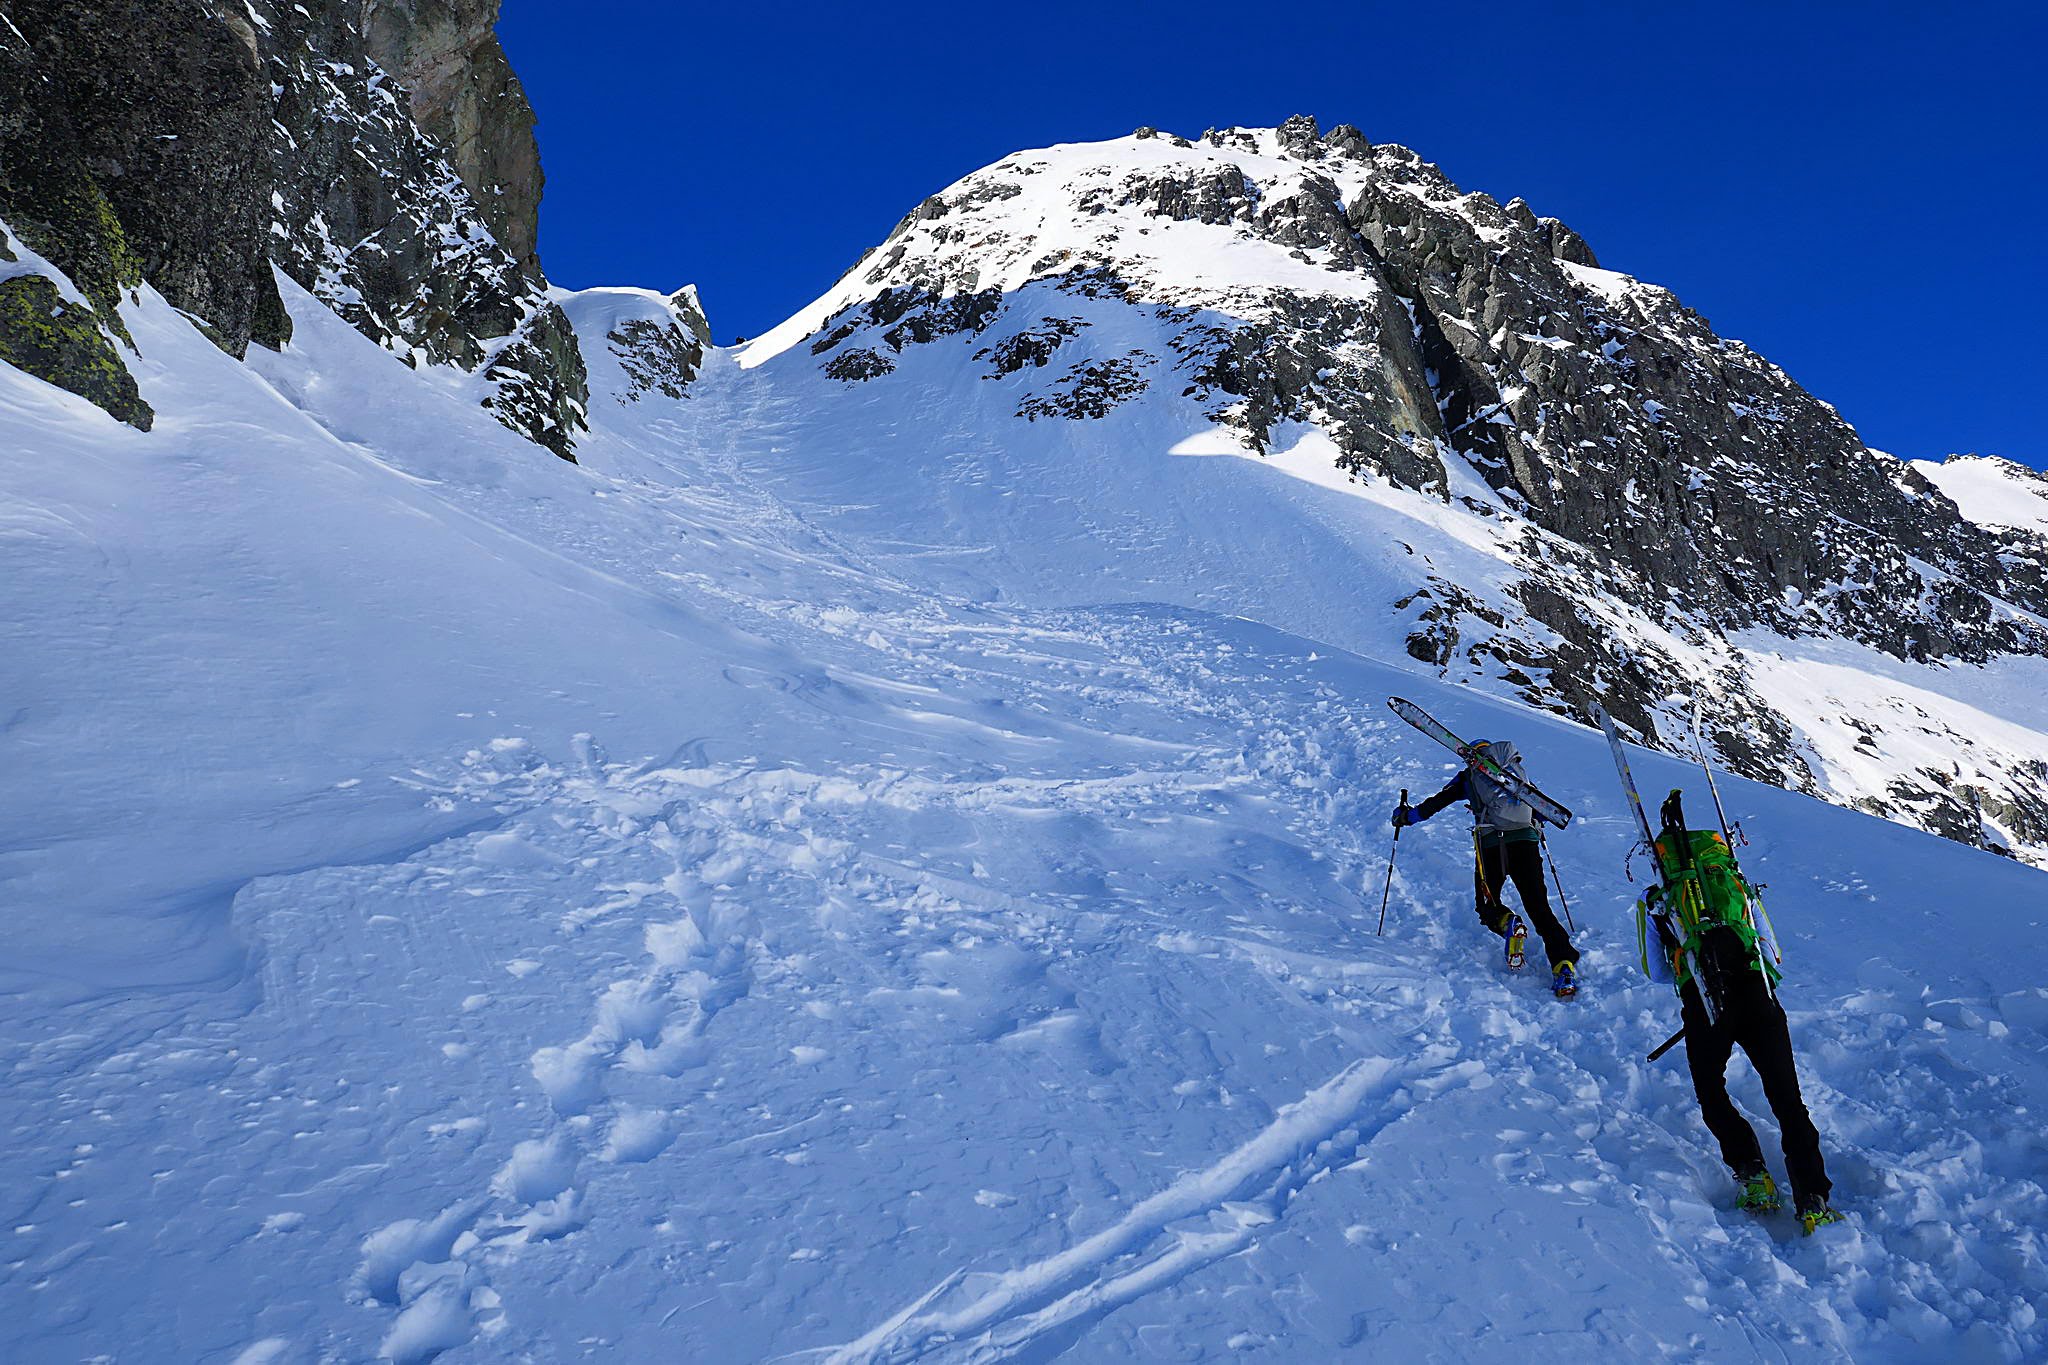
column 466, row 906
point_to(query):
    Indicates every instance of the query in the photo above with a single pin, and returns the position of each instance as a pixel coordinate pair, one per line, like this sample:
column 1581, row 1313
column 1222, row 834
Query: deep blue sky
column 1855, row 189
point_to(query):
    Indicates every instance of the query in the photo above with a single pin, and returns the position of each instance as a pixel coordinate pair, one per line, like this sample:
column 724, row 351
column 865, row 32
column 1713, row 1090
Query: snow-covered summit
column 1664, row 511
column 1175, row 219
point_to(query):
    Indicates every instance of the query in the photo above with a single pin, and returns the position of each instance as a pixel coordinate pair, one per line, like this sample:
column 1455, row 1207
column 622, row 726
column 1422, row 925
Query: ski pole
column 1562, row 903
column 1388, row 890
column 1666, row 1046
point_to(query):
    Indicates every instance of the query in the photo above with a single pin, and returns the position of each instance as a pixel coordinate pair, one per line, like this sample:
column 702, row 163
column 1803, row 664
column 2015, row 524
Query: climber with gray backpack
column 1701, row 927
column 1507, row 843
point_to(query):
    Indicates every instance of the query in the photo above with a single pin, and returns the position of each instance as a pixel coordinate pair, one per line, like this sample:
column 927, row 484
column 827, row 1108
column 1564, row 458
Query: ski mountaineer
column 1698, row 926
column 1505, row 844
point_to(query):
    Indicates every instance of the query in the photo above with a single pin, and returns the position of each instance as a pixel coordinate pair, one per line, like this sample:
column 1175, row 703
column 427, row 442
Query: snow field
column 748, row 939
column 952, row 1069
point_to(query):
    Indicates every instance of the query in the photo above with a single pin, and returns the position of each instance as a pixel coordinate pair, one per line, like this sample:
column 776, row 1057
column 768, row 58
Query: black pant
column 1521, row 859
column 1754, row 1019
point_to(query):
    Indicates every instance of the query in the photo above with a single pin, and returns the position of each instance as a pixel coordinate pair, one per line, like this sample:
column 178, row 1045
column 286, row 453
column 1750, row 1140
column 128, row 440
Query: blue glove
column 1403, row 816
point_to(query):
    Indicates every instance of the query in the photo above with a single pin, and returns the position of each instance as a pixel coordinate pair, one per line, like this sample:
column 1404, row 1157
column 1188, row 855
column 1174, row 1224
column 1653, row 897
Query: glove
column 1403, row 816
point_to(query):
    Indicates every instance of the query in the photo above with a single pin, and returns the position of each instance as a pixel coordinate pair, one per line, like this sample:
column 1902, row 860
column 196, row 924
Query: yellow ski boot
column 1760, row 1194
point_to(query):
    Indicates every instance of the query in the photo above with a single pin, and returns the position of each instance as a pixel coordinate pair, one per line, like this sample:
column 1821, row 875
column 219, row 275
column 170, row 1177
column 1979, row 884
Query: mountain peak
column 1279, row 289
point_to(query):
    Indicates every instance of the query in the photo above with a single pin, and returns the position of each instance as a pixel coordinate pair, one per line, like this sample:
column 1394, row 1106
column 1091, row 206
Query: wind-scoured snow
column 1991, row 491
column 700, row 906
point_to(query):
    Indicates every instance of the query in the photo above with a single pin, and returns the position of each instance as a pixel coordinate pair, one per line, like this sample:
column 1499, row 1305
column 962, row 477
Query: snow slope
column 1992, row 492
column 469, row 906
column 937, row 479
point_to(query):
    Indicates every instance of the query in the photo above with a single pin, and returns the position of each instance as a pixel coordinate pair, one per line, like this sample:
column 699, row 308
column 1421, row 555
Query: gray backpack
column 1494, row 807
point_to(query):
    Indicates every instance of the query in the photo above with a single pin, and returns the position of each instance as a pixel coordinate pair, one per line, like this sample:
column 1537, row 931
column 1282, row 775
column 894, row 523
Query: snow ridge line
column 1322, row 1131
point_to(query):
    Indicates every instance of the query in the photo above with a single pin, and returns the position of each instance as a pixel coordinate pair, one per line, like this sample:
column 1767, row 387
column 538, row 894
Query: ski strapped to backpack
column 1708, row 919
column 1550, row 811
column 1732, row 833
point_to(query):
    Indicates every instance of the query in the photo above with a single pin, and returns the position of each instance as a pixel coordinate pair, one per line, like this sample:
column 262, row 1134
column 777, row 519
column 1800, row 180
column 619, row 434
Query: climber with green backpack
column 1702, row 927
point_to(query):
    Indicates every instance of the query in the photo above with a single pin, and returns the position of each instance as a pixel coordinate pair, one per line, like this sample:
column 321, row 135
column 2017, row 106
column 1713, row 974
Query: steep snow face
column 474, row 908
column 1662, row 512
column 1993, row 492
column 1219, row 246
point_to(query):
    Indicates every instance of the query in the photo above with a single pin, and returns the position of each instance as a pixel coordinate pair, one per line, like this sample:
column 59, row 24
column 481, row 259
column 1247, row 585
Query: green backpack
column 1707, row 920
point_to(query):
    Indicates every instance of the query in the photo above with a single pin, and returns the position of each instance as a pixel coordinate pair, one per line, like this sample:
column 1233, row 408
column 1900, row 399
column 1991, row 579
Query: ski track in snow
column 1310, row 1138
column 1018, row 997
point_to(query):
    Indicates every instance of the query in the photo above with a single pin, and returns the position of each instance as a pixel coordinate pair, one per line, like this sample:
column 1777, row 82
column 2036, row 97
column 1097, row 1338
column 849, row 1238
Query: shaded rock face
column 1613, row 416
column 1663, row 489
column 373, row 218
column 132, row 147
column 194, row 143
column 465, row 95
column 144, row 121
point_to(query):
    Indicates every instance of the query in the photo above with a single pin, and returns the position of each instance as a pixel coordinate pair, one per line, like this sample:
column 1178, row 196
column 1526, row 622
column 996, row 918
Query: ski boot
column 1516, row 935
column 1817, row 1215
column 1564, row 981
column 1760, row 1194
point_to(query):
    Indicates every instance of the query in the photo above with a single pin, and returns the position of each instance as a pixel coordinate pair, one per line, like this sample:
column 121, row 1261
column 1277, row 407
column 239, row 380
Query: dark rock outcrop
column 194, row 143
column 132, row 146
column 63, row 341
column 374, row 219
column 1090, row 390
column 661, row 355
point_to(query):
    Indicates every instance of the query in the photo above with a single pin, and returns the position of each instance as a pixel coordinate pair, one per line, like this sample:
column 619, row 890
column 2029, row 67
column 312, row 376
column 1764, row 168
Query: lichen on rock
column 62, row 343
column 132, row 146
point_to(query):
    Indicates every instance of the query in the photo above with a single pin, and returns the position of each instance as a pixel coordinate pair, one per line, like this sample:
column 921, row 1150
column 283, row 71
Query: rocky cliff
column 194, row 144
column 133, row 146
column 1670, row 495
column 374, row 218
column 463, row 92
